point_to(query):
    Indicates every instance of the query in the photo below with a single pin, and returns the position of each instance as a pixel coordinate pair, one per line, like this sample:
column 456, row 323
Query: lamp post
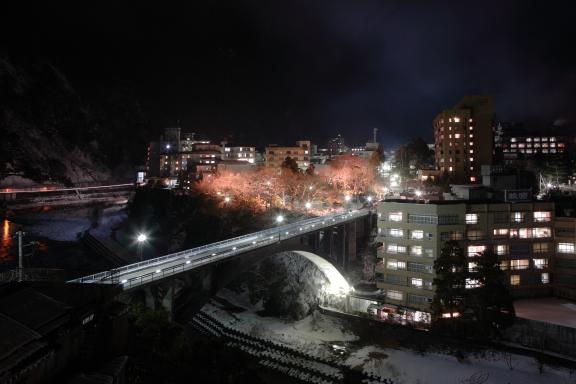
column 141, row 239
column 279, row 220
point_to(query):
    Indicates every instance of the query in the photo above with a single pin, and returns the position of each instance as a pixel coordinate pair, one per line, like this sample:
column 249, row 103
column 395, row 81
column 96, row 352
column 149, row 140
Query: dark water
column 39, row 252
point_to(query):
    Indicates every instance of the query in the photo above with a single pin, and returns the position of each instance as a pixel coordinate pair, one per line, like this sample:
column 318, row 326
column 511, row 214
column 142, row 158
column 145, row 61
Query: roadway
column 137, row 274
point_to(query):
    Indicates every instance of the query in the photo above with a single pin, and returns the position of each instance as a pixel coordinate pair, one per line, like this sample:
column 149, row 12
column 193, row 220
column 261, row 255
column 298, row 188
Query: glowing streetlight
column 418, row 193
column 369, row 198
column 347, row 198
column 279, row 219
column 310, row 187
column 227, row 199
column 308, row 205
column 549, row 185
column 141, row 240
column 167, row 146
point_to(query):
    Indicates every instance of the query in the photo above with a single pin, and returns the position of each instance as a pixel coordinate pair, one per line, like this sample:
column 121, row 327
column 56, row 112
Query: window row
column 514, row 217
column 521, row 233
column 415, row 250
column 544, row 279
column 398, row 265
column 415, row 234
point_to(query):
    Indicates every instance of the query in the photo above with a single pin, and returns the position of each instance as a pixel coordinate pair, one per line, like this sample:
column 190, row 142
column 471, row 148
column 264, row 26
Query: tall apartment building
column 463, row 138
column 413, row 233
column 302, row 153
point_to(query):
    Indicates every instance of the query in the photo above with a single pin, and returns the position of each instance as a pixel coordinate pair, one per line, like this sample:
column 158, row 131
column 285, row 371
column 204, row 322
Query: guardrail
column 195, row 257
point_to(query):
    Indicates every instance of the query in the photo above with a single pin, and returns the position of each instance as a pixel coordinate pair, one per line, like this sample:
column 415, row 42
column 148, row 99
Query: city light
column 142, row 238
column 418, row 193
column 347, row 198
column 227, row 199
column 279, row 219
column 308, row 205
column 369, row 198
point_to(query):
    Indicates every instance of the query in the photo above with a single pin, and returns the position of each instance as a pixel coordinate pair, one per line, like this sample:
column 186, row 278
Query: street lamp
column 279, row 219
column 308, row 205
column 141, row 239
column 227, row 199
column 347, row 198
column 418, row 193
column 369, row 198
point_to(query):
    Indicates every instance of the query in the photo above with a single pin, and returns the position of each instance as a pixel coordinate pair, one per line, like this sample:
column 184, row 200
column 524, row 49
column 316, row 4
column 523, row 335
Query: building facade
column 412, row 235
column 517, row 143
column 463, row 138
column 238, row 153
column 275, row 155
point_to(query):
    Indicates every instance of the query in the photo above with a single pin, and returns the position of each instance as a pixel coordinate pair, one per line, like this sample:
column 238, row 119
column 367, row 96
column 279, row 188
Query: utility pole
column 20, row 235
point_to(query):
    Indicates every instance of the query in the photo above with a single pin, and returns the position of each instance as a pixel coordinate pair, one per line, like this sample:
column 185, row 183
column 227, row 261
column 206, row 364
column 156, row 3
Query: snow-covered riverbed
column 320, row 334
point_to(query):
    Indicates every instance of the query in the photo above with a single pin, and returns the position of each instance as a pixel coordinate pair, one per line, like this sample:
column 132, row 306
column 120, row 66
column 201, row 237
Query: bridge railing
column 280, row 232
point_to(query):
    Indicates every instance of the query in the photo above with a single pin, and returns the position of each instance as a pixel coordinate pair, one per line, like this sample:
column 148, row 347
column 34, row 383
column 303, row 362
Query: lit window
column 540, row 263
column 518, row 217
column 542, row 216
column 416, row 250
column 541, row 232
column 395, row 248
column 471, row 159
column 472, row 266
column 545, row 278
column 227, row 149
column 456, row 119
column 450, row 169
column 519, row 264
column 472, row 179
column 514, row 279
column 565, row 247
column 456, row 135
column 417, row 234
column 471, row 218
column 472, row 283
column 475, row 250
column 471, row 136
column 394, row 295
column 429, row 252
column 471, row 151
column 416, row 282
column 502, row 249
column 395, row 265
column 395, row 232
column 502, row 232
column 395, row 216
column 524, row 233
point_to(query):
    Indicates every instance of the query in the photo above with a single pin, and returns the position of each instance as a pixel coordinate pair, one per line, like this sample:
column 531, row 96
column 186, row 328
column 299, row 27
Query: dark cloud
column 278, row 71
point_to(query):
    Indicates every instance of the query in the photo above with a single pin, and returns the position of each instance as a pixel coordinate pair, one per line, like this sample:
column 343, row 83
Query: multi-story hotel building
column 275, row 155
column 463, row 138
column 412, row 235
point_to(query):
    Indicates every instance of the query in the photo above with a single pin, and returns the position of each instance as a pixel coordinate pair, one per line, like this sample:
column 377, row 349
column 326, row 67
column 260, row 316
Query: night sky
column 277, row 71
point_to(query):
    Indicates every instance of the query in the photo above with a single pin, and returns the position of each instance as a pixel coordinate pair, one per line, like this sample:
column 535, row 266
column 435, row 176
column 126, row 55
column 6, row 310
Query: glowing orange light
column 6, row 229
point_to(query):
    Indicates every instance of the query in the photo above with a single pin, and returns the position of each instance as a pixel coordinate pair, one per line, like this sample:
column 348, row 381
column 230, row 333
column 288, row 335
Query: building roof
column 33, row 309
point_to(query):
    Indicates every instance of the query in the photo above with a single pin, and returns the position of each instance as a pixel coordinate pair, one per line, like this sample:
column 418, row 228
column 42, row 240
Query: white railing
column 160, row 267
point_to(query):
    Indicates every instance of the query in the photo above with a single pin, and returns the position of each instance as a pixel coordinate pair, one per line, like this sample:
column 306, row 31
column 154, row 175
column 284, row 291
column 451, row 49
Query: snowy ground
column 318, row 333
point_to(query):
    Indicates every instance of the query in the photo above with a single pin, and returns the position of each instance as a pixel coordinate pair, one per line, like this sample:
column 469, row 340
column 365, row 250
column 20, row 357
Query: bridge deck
column 137, row 274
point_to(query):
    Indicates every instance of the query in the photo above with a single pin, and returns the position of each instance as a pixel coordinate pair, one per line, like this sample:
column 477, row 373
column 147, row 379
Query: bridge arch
column 337, row 284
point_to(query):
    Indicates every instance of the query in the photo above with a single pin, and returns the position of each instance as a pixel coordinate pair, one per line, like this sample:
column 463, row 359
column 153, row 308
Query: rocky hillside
column 49, row 135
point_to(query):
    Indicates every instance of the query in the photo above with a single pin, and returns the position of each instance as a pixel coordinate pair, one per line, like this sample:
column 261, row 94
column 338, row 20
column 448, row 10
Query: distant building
column 517, row 143
column 336, row 146
column 238, row 153
column 463, row 138
column 275, row 155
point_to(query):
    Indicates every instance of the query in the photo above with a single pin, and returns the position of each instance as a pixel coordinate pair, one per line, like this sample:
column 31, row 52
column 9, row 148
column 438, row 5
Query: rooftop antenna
column 375, row 133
